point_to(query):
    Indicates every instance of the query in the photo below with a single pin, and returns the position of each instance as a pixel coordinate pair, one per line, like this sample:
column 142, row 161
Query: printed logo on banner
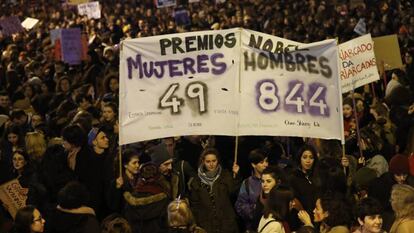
column 165, row 3
column 289, row 88
column 358, row 65
column 10, row 25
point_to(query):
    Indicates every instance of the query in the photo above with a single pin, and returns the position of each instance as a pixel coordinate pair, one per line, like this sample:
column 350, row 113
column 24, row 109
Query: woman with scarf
column 211, row 193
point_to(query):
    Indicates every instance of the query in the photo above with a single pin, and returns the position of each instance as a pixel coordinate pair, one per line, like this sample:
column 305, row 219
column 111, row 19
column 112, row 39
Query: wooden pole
column 236, row 151
column 120, row 160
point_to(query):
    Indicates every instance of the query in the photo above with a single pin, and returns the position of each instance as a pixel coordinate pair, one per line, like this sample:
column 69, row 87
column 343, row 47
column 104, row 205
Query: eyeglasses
column 39, row 219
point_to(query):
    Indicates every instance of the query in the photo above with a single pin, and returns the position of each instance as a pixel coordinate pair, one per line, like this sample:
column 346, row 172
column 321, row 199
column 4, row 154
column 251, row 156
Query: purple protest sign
column 71, row 46
column 181, row 17
column 10, row 25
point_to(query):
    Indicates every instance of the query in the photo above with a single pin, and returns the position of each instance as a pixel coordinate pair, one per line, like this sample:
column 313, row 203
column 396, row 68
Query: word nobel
column 362, row 48
column 175, row 68
column 269, row 46
column 352, row 70
column 197, row 43
column 291, row 62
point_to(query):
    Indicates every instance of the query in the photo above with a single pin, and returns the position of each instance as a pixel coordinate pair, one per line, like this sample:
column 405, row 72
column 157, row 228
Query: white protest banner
column 179, row 84
column 29, row 23
column 165, row 3
column 357, row 63
column 10, row 25
column 13, row 196
column 289, row 88
column 90, row 9
column 193, row 1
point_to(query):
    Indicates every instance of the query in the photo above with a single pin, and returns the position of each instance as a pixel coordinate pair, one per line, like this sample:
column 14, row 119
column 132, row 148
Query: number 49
column 194, row 90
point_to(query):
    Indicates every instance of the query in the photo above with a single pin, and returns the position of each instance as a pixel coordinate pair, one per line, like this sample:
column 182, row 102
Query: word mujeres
column 176, row 67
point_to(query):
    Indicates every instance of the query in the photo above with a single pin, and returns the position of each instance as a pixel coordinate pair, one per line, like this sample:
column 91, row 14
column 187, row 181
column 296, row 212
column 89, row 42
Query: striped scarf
column 209, row 177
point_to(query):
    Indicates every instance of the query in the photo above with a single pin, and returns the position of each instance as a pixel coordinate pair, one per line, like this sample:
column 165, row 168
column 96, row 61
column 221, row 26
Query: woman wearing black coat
column 210, row 194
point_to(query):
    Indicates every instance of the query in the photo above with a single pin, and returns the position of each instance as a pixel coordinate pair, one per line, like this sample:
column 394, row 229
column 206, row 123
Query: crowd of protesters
column 59, row 127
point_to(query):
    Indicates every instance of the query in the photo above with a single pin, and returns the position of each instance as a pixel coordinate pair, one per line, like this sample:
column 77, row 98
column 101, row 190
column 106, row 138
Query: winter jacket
column 213, row 210
column 246, row 200
column 404, row 226
column 305, row 190
column 80, row 220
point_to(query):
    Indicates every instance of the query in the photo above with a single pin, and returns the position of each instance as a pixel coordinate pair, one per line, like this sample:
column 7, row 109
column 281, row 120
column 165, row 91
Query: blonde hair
column 35, row 145
column 179, row 214
column 402, row 199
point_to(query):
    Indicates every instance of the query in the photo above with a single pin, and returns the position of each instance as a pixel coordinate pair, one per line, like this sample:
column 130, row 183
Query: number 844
column 268, row 98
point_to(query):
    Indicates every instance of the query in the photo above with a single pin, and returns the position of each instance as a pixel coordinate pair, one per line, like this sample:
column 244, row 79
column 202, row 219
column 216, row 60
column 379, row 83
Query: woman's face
column 306, row 160
column 28, row 92
column 347, row 111
column 268, row 182
column 108, row 114
column 318, row 213
column 38, row 223
column 18, row 161
column 13, row 138
column 408, row 58
column 114, row 85
column 210, row 162
column 133, row 165
column 64, row 85
column 36, row 120
column 371, row 223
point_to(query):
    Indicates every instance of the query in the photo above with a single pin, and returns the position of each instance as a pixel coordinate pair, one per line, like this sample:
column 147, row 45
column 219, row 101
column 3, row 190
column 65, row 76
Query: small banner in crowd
column 179, row 84
column 70, row 46
column 209, row 83
column 358, row 65
column 10, row 25
column 181, row 16
column 289, row 88
column 13, row 196
column 29, row 23
column 361, row 27
column 387, row 52
column 165, row 3
column 91, row 9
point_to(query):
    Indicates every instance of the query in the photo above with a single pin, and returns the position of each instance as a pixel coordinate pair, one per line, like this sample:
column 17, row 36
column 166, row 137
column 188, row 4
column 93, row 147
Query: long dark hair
column 278, row 202
column 24, row 219
column 300, row 152
column 339, row 213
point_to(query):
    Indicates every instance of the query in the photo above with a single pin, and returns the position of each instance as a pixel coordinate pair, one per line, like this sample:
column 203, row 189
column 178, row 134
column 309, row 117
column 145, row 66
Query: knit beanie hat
column 92, row 135
column 399, row 164
column 159, row 154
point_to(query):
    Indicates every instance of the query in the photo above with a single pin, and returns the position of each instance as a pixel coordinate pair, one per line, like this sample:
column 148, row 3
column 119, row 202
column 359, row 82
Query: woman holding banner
column 210, row 194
